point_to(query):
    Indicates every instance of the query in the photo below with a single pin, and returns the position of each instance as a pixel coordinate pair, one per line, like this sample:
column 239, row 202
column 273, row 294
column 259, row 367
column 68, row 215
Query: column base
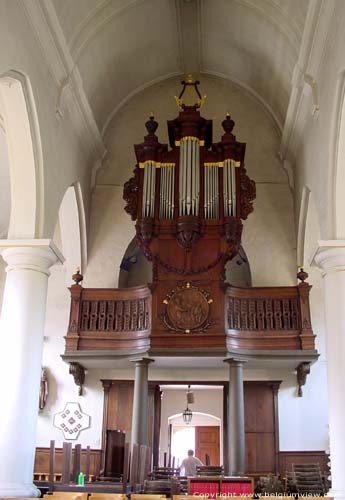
column 13, row 490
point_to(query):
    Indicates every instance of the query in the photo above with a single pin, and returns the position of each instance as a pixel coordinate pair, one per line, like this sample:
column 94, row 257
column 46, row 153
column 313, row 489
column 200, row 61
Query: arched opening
column 70, row 231
column 192, row 437
column 25, row 156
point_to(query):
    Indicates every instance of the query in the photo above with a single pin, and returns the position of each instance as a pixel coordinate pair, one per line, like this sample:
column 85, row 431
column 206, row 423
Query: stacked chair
column 306, row 479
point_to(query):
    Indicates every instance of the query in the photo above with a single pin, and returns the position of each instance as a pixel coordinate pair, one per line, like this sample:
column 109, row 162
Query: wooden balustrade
column 269, row 318
column 255, row 318
column 109, row 319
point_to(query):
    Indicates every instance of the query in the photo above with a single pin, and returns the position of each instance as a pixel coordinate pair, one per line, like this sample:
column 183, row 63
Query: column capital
column 329, row 256
column 233, row 361
column 30, row 254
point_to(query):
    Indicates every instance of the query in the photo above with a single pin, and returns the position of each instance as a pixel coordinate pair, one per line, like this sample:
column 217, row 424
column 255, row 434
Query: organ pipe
column 189, row 176
column 229, row 188
column 166, row 205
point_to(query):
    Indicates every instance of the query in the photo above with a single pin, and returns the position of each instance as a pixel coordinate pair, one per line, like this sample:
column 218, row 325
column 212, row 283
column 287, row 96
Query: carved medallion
column 187, row 309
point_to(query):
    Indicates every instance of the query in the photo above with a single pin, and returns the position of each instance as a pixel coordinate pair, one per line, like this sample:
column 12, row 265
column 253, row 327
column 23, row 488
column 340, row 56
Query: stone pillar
column 236, row 436
column 140, row 398
column 330, row 258
column 21, row 342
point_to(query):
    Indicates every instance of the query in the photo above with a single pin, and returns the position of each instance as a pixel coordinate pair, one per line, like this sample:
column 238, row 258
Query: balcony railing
column 112, row 319
column 269, row 318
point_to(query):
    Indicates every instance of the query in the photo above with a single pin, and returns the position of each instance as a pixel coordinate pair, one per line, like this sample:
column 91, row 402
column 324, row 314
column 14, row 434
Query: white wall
column 65, row 156
column 269, row 241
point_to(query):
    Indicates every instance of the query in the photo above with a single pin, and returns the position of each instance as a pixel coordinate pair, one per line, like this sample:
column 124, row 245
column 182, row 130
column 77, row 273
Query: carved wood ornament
column 78, row 373
column 187, row 309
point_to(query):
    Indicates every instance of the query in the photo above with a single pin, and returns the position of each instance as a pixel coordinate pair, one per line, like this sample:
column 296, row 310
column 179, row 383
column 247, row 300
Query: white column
column 21, row 342
column 330, row 258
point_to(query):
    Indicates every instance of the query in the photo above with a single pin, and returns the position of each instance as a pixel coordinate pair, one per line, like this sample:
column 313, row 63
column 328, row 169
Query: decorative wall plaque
column 71, row 420
column 187, row 309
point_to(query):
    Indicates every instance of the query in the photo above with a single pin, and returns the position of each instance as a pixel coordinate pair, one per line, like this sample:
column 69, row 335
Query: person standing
column 190, row 464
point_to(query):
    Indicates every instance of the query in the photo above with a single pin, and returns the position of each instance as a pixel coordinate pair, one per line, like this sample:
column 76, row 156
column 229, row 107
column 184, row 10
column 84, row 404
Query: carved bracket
column 302, row 371
column 78, row 373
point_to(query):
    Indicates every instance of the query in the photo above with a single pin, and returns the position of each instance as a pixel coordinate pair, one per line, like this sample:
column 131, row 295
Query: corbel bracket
column 302, row 370
column 78, row 372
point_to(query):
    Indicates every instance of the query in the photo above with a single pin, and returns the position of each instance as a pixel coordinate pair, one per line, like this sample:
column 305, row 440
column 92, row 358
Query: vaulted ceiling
column 122, row 46
column 119, row 47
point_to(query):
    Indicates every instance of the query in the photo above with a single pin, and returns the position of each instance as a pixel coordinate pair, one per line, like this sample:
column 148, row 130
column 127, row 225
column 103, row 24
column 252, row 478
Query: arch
column 199, row 418
column 73, row 230
column 302, row 221
column 25, row 156
column 135, row 269
column 337, row 154
column 5, row 184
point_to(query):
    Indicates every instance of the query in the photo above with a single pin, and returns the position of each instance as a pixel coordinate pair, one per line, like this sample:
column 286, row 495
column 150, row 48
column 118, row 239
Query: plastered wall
column 269, row 242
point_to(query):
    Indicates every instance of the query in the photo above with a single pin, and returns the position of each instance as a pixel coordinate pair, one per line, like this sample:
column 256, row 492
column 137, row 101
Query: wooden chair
column 210, row 470
column 305, row 479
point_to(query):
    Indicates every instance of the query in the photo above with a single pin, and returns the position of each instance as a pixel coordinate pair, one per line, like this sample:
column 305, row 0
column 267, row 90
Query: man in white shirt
column 190, row 464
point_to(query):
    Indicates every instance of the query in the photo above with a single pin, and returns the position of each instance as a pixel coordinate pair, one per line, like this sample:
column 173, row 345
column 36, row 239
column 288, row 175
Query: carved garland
column 130, row 194
column 248, row 194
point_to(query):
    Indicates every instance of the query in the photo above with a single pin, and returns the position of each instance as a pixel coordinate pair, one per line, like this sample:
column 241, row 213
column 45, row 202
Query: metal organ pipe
column 166, row 205
column 229, row 181
column 149, row 189
column 211, row 190
column 189, row 184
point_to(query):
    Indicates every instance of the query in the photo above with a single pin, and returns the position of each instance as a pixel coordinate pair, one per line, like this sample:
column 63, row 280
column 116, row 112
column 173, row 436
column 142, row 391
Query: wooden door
column 207, row 441
column 260, row 428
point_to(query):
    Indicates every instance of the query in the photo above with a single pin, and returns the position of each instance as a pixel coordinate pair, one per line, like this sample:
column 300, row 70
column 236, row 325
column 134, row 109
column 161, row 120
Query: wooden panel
column 207, row 441
column 118, row 407
column 287, row 458
column 42, row 461
column 260, row 427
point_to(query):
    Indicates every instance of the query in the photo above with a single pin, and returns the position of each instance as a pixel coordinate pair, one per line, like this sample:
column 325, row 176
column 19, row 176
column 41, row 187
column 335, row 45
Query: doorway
column 202, row 436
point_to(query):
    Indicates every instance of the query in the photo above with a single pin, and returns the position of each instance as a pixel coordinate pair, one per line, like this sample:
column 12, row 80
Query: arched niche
column 136, row 270
column 70, row 232
column 20, row 123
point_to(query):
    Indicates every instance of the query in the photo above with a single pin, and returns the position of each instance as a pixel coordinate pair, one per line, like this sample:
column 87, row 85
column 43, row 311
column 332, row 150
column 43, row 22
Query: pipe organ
column 189, row 200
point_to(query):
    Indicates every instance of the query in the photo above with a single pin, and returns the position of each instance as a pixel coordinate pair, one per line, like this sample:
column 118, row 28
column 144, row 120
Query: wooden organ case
column 189, row 202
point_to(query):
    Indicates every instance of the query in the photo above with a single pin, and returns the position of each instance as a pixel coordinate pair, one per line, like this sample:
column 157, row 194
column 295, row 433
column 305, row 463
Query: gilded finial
column 190, row 78
column 152, row 115
column 228, row 115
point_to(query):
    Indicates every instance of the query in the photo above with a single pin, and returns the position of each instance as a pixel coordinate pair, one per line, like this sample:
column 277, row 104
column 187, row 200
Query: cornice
column 46, row 26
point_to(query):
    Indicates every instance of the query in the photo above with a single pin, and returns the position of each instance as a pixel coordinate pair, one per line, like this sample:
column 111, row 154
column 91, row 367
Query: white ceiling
column 122, row 46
